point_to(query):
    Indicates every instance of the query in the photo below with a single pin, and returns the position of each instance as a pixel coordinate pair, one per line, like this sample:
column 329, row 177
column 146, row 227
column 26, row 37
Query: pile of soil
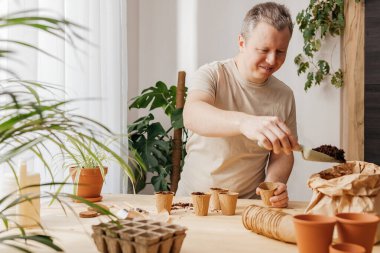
column 332, row 151
column 181, row 205
column 338, row 171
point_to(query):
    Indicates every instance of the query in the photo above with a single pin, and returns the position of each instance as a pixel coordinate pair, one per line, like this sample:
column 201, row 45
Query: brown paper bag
column 347, row 187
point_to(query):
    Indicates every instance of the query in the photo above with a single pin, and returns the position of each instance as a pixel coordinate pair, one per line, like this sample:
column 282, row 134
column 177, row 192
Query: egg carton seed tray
column 138, row 236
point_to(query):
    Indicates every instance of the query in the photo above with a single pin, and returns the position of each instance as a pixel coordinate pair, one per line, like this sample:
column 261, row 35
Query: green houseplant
column 320, row 19
column 30, row 122
column 149, row 141
column 88, row 165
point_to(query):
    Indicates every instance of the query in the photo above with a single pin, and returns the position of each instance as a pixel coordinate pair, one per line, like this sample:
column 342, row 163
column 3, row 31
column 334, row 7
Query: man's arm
column 202, row 117
column 279, row 169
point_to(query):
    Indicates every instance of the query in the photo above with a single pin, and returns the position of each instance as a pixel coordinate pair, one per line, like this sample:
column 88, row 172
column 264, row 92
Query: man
column 241, row 118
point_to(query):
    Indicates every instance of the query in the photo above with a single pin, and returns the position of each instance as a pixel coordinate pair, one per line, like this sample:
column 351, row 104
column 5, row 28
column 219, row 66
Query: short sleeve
column 291, row 120
column 204, row 79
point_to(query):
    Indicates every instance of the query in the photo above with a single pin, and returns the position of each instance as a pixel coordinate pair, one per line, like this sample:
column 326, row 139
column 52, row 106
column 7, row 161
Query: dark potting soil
column 198, row 193
column 164, row 192
column 332, row 151
column 336, row 172
column 181, row 205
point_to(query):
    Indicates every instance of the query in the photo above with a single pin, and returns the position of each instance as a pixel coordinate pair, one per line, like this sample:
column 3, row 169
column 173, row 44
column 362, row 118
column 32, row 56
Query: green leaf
column 318, row 77
column 140, row 182
column 324, row 67
column 309, row 82
column 337, row 79
column 155, row 130
column 177, row 119
column 298, row 59
column 159, row 183
column 303, row 67
column 318, row 20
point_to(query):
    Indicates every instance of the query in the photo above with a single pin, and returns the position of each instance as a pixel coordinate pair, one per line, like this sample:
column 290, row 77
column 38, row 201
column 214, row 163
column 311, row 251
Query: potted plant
column 28, row 121
column 149, row 141
column 88, row 166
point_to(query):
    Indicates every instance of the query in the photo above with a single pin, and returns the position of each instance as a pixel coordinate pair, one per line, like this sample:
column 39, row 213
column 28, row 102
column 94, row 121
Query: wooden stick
column 177, row 139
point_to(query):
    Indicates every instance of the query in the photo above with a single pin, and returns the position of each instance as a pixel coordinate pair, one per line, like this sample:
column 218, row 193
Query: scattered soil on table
column 336, row 172
column 332, row 151
column 141, row 210
column 182, row 205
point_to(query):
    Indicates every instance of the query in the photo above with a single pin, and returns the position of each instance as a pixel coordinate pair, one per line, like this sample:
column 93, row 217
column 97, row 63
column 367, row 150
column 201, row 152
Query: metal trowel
column 312, row 155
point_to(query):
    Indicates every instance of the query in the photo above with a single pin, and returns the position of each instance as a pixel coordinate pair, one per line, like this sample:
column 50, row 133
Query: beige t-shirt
column 236, row 163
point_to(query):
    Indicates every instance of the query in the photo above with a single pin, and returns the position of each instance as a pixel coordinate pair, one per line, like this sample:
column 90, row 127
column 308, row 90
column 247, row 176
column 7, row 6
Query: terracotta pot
column 358, row 228
column 164, row 200
column 90, row 183
column 313, row 232
column 346, row 248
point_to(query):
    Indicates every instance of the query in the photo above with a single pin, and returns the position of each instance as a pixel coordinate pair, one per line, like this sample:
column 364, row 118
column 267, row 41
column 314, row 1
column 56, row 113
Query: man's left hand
column 280, row 198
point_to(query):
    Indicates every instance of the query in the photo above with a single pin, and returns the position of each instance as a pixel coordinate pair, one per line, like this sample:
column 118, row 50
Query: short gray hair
column 276, row 15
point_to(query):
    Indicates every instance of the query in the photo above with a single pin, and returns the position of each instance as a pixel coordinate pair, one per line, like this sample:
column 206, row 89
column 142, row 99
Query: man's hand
column 280, row 198
column 270, row 132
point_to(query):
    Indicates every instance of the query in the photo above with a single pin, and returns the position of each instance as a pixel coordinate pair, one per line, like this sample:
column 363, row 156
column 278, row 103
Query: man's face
column 264, row 51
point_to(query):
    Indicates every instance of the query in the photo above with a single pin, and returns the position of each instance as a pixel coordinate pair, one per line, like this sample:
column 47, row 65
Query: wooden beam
column 352, row 102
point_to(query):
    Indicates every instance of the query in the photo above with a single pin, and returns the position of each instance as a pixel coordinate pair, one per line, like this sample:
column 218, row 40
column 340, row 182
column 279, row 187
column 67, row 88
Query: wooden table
column 212, row 233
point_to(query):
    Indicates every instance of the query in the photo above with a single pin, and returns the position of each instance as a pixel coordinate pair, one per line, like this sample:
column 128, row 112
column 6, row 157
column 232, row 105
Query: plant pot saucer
column 95, row 199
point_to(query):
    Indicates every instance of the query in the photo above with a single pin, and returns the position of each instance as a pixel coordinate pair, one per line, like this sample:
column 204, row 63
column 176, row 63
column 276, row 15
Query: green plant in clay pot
column 88, row 165
column 34, row 121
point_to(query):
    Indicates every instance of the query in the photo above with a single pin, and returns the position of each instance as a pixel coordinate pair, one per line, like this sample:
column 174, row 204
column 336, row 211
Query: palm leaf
column 28, row 122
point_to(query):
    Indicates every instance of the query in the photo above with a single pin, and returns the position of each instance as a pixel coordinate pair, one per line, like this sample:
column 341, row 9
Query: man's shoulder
column 215, row 65
column 280, row 85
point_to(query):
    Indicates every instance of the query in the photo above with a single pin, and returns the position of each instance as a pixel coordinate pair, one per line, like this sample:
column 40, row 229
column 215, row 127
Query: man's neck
column 245, row 73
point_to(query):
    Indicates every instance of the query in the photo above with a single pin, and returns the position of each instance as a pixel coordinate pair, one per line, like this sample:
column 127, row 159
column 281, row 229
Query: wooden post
column 177, row 139
column 352, row 102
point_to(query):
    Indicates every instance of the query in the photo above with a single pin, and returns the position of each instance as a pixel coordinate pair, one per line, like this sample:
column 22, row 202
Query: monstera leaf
column 160, row 182
column 156, row 96
column 149, row 140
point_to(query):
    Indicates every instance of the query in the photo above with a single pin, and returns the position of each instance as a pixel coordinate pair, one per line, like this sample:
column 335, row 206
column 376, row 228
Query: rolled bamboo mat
column 270, row 223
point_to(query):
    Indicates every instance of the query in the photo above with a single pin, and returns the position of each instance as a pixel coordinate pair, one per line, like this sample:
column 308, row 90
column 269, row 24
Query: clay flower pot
column 164, row 200
column 90, row 183
column 358, row 228
column 313, row 232
column 346, row 248
column 267, row 191
column 228, row 202
column 215, row 203
column 201, row 202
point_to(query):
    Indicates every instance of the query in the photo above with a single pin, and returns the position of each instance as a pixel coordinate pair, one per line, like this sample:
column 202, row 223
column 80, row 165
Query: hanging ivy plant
column 320, row 19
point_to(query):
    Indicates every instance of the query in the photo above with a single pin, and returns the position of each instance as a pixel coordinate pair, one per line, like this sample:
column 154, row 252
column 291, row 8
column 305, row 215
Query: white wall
column 174, row 35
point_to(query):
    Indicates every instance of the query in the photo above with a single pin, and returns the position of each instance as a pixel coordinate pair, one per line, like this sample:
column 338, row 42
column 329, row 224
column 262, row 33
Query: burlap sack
column 348, row 187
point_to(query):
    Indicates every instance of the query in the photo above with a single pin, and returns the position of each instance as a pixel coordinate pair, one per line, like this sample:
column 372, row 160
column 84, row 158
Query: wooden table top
column 212, row 233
